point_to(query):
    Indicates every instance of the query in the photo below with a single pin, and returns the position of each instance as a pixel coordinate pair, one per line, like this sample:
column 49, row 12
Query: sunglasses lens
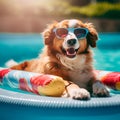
column 80, row 33
column 61, row 32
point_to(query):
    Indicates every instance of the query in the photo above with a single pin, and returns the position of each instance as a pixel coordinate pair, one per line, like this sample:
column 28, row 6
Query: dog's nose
column 71, row 42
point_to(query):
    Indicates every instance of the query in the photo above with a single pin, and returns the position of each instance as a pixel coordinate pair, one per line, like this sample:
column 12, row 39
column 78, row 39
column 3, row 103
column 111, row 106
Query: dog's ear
column 48, row 34
column 92, row 36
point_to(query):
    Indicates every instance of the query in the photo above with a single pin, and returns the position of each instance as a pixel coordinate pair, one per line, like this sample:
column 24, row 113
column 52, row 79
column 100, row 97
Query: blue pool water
column 21, row 105
column 27, row 46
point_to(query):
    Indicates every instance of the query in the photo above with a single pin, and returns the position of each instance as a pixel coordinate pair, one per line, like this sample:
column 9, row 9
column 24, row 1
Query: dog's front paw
column 79, row 94
column 100, row 90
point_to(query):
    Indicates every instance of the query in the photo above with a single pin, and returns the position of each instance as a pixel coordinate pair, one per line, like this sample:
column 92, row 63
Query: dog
column 67, row 53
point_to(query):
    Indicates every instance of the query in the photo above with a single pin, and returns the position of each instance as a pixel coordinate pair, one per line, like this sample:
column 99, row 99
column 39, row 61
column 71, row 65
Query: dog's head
column 70, row 37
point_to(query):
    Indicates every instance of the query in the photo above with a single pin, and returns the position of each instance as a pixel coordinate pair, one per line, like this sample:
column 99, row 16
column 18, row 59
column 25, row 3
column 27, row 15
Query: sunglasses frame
column 70, row 30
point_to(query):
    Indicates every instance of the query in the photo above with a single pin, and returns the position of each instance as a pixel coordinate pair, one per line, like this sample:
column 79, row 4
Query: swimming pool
column 22, row 105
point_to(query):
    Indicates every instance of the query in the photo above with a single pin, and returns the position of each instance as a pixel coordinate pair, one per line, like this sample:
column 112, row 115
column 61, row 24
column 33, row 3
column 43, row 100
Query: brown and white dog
column 67, row 54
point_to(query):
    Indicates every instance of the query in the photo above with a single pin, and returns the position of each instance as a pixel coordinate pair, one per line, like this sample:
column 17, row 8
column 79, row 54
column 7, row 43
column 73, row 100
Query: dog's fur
column 76, row 71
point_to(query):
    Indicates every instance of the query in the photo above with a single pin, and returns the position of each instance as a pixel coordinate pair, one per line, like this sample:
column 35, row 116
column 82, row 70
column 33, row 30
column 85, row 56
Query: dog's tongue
column 71, row 51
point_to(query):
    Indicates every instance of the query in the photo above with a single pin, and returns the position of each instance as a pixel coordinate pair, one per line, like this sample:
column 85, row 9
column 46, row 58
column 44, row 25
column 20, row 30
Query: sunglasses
column 63, row 32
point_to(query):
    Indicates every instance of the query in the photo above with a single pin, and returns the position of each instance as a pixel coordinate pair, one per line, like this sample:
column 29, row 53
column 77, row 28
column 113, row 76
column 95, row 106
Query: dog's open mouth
column 70, row 52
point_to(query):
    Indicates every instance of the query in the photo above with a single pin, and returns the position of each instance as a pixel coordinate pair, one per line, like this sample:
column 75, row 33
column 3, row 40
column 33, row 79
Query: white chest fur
column 79, row 72
column 72, row 63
